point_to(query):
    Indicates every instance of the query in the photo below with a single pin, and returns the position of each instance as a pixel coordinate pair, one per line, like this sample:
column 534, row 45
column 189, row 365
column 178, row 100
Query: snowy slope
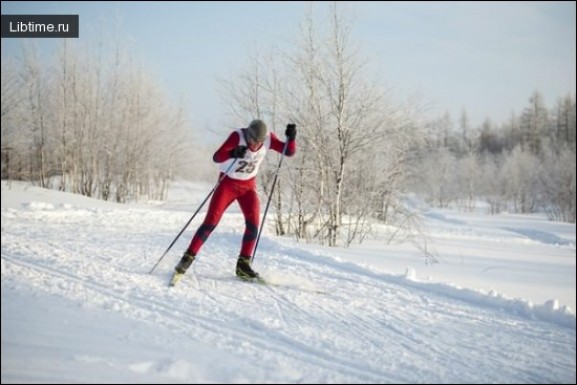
column 78, row 305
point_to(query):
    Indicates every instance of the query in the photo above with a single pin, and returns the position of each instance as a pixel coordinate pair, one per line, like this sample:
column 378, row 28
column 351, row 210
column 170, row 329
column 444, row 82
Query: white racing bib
column 247, row 167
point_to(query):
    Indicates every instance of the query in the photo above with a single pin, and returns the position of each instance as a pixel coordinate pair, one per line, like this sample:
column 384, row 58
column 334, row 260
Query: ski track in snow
column 324, row 322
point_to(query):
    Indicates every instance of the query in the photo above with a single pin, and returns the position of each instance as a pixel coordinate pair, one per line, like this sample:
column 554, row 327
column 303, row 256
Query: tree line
column 362, row 153
column 93, row 123
column 107, row 131
column 525, row 165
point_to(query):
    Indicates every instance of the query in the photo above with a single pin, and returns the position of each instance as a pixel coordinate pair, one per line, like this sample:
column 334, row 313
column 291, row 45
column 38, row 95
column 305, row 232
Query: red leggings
column 228, row 191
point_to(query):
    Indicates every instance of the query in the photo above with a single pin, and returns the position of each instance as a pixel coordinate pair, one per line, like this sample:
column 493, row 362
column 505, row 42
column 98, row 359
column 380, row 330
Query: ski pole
column 269, row 198
column 193, row 215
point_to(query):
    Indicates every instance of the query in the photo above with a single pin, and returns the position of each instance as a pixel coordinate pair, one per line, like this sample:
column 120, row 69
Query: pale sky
column 485, row 57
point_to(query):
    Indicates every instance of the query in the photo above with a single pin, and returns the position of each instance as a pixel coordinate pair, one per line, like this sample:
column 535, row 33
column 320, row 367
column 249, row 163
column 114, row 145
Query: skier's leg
column 250, row 206
column 223, row 196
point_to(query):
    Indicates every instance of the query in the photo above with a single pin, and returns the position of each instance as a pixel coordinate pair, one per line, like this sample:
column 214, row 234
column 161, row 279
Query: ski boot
column 182, row 266
column 244, row 271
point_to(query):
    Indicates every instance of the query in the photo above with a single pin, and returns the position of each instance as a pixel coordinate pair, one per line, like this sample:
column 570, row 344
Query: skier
column 246, row 148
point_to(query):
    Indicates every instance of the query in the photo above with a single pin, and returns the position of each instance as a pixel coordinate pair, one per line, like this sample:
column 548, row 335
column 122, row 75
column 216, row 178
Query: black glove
column 291, row 131
column 238, row 152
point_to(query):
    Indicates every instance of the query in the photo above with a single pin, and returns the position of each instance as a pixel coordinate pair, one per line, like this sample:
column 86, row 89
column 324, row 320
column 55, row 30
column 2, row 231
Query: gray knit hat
column 257, row 130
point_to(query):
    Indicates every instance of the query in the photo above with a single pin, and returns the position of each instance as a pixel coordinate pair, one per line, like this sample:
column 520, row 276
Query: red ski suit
column 231, row 188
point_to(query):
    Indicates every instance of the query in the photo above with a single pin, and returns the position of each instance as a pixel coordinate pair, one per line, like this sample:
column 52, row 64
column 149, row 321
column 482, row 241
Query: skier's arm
column 224, row 153
column 278, row 145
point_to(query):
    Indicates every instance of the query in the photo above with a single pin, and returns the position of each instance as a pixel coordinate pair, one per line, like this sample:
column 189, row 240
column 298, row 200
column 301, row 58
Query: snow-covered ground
column 78, row 304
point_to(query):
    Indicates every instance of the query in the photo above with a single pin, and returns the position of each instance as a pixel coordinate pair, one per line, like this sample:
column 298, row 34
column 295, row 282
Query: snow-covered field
column 78, row 304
